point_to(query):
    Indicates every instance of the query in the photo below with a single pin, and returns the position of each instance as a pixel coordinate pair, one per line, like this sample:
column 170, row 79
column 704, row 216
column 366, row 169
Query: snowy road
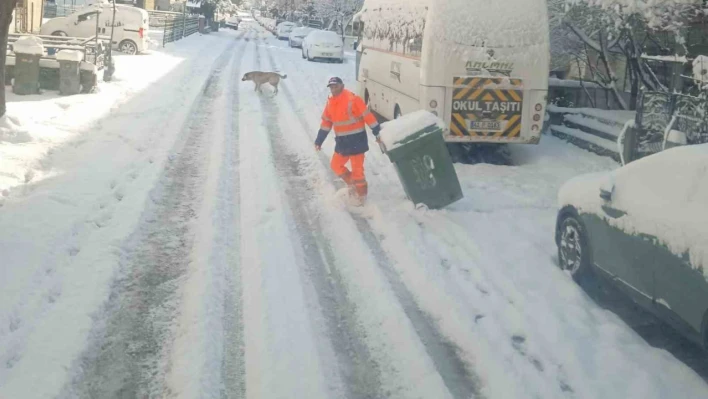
column 208, row 253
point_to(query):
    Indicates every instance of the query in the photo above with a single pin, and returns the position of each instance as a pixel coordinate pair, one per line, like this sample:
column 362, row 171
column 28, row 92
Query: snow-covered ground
column 179, row 236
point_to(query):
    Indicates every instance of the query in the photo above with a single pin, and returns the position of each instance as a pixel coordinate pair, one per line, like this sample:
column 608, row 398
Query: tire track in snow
column 359, row 371
column 286, row 354
column 233, row 368
column 131, row 339
column 452, row 239
column 458, row 376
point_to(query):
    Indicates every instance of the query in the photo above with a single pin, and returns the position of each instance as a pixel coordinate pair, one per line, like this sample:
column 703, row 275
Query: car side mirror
column 605, row 195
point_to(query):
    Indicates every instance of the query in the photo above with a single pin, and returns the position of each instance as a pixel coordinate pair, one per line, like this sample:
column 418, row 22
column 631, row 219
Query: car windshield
column 354, row 199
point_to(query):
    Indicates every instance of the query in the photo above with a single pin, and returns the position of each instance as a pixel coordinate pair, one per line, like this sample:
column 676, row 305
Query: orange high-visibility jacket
column 347, row 114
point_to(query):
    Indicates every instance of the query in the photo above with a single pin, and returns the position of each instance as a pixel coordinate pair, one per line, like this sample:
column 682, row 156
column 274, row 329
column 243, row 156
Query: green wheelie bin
column 28, row 52
column 416, row 147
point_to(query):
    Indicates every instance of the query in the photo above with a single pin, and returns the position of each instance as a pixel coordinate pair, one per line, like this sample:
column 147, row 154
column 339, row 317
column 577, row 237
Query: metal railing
column 179, row 27
column 659, row 112
column 92, row 48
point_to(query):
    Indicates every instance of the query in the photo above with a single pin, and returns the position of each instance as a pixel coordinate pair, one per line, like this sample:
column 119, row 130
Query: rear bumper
column 333, row 54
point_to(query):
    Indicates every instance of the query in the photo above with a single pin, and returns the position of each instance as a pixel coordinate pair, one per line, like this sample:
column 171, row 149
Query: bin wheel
column 59, row 33
column 128, row 47
column 397, row 112
column 367, row 99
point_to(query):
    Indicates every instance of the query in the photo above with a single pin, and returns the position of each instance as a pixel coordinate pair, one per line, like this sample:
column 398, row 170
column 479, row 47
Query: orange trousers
column 355, row 177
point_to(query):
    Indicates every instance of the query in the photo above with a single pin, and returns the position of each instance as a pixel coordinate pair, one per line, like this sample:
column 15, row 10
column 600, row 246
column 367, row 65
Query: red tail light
column 140, row 32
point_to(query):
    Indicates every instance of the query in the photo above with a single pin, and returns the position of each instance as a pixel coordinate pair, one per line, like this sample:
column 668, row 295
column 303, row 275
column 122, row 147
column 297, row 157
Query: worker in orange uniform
column 347, row 114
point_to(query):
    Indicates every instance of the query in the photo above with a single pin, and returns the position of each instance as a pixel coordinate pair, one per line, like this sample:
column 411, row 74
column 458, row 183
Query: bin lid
column 410, row 128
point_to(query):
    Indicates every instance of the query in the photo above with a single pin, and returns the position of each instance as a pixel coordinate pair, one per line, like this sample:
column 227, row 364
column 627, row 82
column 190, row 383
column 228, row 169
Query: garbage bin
column 28, row 52
column 415, row 145
column 69, row 73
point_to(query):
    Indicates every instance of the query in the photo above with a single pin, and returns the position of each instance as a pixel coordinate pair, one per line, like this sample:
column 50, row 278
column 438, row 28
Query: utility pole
column 110, row 68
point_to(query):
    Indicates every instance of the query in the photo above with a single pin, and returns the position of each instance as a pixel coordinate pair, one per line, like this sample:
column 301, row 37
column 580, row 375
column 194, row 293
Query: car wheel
column 573, row 248
column 59, row 33
column 128, row 47
column 308, row 57
column 303, row 54
column 340, row 61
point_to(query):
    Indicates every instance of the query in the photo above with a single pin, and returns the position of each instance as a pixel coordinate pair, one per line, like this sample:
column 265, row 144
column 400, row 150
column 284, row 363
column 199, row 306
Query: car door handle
column 612, row 212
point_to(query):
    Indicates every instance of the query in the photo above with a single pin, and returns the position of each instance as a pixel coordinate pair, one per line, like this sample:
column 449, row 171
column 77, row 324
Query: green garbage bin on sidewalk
column 69, row 73
column 415, row 145
column 28, row 51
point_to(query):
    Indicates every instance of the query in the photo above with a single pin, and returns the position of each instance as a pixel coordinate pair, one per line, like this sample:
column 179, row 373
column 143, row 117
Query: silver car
column 297, row 36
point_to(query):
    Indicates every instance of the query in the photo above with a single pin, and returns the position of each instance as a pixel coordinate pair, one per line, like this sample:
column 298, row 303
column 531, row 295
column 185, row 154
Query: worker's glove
column 376, row 130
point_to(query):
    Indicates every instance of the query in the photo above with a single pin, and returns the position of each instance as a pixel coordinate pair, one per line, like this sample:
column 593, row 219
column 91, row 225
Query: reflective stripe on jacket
column 347, row 114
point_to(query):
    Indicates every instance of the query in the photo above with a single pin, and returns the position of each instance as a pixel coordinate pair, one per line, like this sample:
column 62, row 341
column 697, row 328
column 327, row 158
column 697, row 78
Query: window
column 85, row 17
column 395, row 28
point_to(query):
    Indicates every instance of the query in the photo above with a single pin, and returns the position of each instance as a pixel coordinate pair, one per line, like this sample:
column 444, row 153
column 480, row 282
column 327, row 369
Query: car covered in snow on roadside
column 297, row 36
column 324, row 45
column 645, row 227
column 233, row 22
column 130, row 33
column 283, row 29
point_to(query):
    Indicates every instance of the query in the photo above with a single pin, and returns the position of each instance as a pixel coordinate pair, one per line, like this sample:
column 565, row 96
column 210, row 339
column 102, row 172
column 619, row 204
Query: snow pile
column 555, row 82
column 666, row 58
column 664, row 196
column 615, row 117
column 700, row 68
column 70, row 55
column 11, row 131
column 395, row 133
column 613, row 129
column 498, row 23
column 29, row 45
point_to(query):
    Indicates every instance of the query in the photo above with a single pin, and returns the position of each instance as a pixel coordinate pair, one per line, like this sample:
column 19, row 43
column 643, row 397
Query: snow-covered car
column 322, row 44
column 645, row 227
column 284, row 29
column 298, row 35
column 233, row 22
column 130, row 34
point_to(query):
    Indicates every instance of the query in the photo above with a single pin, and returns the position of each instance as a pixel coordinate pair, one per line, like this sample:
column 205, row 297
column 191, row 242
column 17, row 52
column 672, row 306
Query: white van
column 481, row 65
column 130, row 34
column 284, row 29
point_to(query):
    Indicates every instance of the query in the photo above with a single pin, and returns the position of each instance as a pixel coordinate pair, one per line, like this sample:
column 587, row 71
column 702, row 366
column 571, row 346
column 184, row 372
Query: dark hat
column 335, row 81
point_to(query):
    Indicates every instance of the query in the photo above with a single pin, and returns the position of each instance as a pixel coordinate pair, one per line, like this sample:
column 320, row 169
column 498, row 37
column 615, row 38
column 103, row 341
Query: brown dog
column 260, row 78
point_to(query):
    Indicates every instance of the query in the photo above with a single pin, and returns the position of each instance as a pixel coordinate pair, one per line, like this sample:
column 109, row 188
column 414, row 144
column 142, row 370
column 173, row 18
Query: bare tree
column 338, row 11
column 606, row 30
column 6, row 9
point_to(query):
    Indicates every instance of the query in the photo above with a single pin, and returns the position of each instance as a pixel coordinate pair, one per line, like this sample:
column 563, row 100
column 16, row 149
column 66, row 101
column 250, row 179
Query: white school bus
column 481, row 65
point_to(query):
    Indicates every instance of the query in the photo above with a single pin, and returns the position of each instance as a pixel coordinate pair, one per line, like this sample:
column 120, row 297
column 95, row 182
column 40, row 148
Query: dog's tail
column 283, row 76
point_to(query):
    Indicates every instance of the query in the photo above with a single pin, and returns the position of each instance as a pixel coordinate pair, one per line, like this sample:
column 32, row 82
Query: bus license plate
column 489, row 126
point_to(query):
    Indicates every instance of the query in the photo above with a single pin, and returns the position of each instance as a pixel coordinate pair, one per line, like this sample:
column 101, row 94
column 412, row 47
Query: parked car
column 315, row 23
column 323, row 45
column 645, row 226
column 233, row 22
column 298, row 35
column 129, row 33
column 283, row 30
